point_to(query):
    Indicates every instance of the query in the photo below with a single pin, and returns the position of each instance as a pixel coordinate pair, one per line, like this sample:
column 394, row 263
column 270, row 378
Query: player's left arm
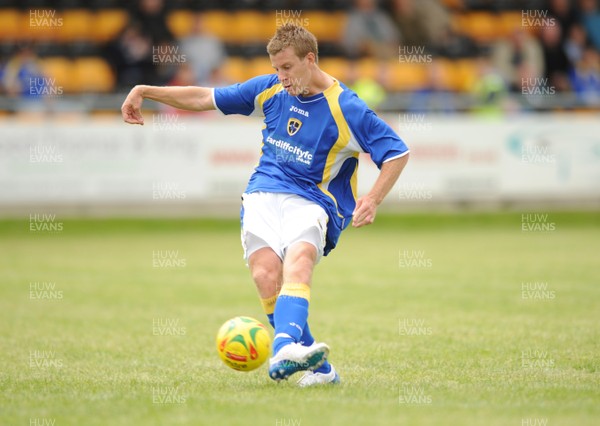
column 366, row 207
column 387, row 150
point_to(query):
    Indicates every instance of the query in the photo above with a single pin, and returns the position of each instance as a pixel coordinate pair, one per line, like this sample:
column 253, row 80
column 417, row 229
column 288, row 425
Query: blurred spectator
column 590, row 18
column 454, row 45
column 556, row 64
column 421, row 22
column 21, row 76
column 370, row 31
column 585, row 77
column 490, row 90
column 151, row 15
column 368, row 89
column 520, row 51
column 574, row 44
column 563, row 11
column 131, row 57
column 204, row 52
column 184, row 76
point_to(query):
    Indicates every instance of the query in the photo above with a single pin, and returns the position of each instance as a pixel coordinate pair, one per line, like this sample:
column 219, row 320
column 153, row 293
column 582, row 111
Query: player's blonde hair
column 302, row 40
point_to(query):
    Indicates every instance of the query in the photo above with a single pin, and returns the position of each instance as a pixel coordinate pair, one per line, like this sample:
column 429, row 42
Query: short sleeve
column 242, row 98
column 376, row 137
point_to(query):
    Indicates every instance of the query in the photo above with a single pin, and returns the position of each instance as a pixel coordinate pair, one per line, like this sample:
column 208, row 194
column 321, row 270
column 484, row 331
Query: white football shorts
column 278, row 220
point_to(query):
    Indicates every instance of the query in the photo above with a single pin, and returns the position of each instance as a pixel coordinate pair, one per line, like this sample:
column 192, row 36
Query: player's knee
column 266, row 274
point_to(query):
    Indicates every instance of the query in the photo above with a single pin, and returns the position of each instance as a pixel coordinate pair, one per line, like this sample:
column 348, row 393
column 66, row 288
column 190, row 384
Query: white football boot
column 294, row 357
column 312, row 378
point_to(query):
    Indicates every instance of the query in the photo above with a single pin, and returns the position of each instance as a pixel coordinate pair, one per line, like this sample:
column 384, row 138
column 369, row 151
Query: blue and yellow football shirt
column 311, row 144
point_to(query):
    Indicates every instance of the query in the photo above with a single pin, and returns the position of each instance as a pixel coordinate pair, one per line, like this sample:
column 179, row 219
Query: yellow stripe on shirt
column 267, row 94
column 332, row 96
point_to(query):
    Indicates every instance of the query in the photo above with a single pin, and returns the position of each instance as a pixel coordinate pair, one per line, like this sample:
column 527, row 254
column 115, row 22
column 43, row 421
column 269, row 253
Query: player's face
column 293, row 72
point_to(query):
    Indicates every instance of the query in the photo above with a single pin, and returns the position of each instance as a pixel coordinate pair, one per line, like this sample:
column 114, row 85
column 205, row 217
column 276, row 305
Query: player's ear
column 310, row 57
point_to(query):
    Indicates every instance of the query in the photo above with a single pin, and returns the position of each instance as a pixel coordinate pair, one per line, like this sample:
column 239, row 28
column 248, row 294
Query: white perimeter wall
column 182, row 159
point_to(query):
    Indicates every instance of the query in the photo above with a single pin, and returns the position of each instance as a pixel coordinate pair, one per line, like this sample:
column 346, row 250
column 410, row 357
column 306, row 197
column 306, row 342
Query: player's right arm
column 190, row 98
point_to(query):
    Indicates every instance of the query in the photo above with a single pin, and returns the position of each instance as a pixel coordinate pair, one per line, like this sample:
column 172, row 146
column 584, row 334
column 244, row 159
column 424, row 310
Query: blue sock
column 271, row 320
column 291, row 312
column 307, row 339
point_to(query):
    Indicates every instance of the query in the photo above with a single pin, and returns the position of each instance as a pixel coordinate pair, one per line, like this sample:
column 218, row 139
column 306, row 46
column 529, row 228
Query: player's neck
column 320, row 82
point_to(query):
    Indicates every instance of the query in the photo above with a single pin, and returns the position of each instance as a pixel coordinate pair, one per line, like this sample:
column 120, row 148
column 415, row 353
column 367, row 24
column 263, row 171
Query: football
column 243, row 343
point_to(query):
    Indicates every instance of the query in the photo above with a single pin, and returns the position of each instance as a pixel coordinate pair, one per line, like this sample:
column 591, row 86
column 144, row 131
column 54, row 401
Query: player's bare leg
column 266, row 269
column 299, row 263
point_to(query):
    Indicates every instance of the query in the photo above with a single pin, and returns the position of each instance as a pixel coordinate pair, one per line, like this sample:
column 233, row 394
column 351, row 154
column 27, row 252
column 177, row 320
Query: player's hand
column 131, row 110
column 364, row 212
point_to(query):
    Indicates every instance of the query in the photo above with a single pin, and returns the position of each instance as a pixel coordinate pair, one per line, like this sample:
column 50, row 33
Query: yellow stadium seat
column 270, row 22
column 41, row 25
column 481, row 26
column 181, row 22
column 93, row 74
column 326, row 26
column 235, row 70
column 466, row 74
column 60, row 69
column 336, row 67
column 108, row 23
column 217, row 22
column 10, row 20
column 509, row 22
column 248, row 27
column 446, row 75
column 405, row 76
column 368, row 68
column 77, row 25
column 260, row 66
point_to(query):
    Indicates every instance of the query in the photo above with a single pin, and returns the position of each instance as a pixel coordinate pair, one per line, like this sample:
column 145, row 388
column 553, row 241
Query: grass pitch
column 432, row 319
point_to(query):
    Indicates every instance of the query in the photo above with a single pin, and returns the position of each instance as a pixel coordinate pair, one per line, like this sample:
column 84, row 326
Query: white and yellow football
column 243, row 343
